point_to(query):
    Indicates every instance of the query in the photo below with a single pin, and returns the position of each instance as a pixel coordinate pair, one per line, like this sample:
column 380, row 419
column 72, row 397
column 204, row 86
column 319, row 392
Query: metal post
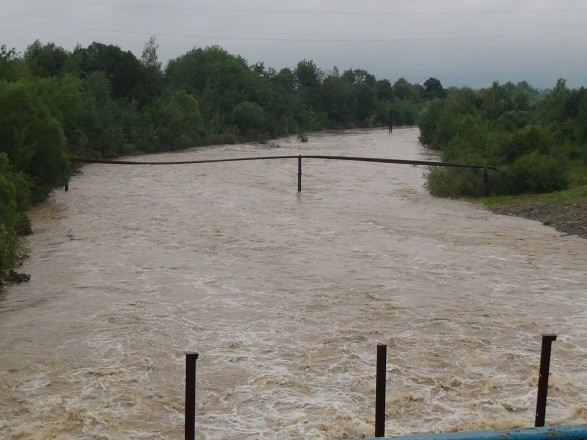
column 380, row 391
column 300, row 173
column 547, row 340
column 190, row 394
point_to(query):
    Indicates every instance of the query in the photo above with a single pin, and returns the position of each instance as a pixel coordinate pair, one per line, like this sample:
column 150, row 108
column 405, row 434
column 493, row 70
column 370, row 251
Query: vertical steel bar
column 547, row 340
column 380, row 390
column 190, row 395
column 299, row 173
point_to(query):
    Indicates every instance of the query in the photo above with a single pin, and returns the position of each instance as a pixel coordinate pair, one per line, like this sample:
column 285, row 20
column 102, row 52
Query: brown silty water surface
column 285, row 296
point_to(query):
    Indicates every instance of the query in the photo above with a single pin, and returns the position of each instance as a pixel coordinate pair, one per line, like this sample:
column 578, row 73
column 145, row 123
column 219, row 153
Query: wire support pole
column 299, row 173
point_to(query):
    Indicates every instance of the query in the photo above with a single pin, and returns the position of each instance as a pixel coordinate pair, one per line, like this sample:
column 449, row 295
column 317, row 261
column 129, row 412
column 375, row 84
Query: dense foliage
column 538, row 140
column 101, row 101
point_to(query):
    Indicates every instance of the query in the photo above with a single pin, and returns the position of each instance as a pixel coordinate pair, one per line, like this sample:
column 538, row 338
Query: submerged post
column 380, row 391
column 190, row 394
column 547, row 340
column 300, row 173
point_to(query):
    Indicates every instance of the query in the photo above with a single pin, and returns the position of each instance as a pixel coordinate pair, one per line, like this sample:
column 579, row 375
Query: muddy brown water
column 285, row 296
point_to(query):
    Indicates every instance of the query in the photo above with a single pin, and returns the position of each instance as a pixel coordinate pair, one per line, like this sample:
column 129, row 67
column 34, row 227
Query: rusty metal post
column 380, row 390
column 300, row 173
column 547, row 340
column 190, row 394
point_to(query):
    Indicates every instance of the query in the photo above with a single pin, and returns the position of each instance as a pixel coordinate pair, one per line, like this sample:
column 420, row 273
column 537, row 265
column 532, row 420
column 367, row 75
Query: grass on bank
column 564, row 210
column 569, row 196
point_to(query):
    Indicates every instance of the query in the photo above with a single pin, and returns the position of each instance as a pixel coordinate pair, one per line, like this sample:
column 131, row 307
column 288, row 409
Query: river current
column 285, row 295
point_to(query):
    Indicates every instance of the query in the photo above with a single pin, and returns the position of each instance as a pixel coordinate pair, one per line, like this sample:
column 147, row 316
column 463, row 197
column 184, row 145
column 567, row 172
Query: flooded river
column 285, row 296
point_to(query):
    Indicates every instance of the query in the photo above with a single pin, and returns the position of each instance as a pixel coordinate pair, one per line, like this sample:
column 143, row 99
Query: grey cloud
column 459, row 42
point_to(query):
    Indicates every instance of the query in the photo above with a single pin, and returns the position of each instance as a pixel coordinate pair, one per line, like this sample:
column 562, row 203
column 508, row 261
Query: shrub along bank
column 537, row 139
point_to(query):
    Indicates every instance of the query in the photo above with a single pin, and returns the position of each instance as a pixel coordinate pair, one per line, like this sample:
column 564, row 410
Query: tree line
column 100, row 101
column 538, row 139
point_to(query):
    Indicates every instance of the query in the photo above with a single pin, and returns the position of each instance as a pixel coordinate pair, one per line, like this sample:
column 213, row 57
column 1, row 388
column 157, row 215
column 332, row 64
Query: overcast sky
column 460, row 42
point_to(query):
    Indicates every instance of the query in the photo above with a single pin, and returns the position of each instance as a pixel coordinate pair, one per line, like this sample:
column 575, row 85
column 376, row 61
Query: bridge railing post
column 380, row 390
column 190, row 395
column 547, row 340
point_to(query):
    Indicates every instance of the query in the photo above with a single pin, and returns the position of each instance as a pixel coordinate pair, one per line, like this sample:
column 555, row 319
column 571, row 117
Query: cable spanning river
column 285, row 296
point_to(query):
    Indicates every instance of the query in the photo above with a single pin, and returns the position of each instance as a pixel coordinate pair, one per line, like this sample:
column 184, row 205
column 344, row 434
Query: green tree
column 45, row 60
column 248, row 117
column 178, row 121
column 153, row 84
column 339, row 101
column 536, row 173
column 366, row 103
column 308, row 82
column 124, row 71
column 358, row 77
column 12, row 68
column 31, row 137
column 104, row 129
column 402, row 89
column 308, row 75
column 384, row 90
column 433, row 89
column 285, row 80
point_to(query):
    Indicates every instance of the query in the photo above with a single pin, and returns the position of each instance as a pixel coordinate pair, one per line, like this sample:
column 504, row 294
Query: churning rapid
column 285, row 296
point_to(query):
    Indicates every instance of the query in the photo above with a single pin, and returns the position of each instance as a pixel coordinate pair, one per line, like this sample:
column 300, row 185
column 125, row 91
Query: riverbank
column 566, row 211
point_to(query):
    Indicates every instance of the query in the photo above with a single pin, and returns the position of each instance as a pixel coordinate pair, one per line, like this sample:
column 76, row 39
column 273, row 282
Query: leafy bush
column 248, row 117
column 12, row 253
column 465, row 182
column 11, row 220
column 405, row 112
column 31, row 138
column 539, row 141
column 524, row 141
column 536, row 173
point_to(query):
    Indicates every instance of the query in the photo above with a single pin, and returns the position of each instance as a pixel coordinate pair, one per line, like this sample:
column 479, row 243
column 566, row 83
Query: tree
column 259, row 68
column 212, row 66
column 45, row 60
column 152, row 86
column 248, row 117
column 149, row 57
column 124, row 71
column 402, row 89
column 12, row 68
column 308, row 81
column 366, row 102
column 383, row 90
column 104, row 130
column 339, row 101
column 285, row 80
column 69, row 102
column 433, row 89
column 308, row 76
column 358, row 77
column 178, row 121
column 31, row 137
